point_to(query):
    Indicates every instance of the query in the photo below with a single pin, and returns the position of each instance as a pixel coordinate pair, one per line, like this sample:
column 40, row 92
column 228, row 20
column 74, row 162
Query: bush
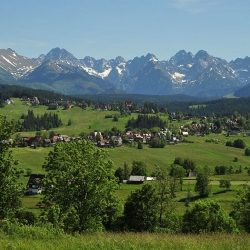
column 247, row 151
column 229, row 144
column 140, row 145
column 25, row 217
column 207, row 216
column 28, row 171
column 157, row 143
column 108, row 116
column 115, row 119
column 239, row 143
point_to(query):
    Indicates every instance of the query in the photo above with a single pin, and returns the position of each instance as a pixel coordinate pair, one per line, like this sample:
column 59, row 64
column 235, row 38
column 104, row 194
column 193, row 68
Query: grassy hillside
column 81, row 119
column 200, row 151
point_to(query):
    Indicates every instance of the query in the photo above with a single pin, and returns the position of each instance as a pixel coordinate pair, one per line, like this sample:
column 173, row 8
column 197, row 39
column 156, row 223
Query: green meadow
column 201, row 152
column 87, row 121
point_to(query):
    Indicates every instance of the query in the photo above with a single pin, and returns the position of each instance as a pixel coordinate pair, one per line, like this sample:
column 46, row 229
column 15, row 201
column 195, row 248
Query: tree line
column 145, row 122
column 13, row 91
column 36, row 123
column 219, row 107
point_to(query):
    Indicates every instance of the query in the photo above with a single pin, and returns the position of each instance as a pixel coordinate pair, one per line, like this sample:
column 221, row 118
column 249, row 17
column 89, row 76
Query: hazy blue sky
column 128, row 28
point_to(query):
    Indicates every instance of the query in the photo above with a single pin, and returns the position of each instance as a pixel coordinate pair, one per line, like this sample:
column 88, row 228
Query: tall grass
column 25, row 238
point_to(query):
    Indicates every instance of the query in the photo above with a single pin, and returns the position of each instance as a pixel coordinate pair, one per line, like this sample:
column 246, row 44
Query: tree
column 166, row 205
column 11, row 190
column 140, row 145
column 140, row 209
column 241, row 206
column 179, row 161
column 202, row 185
column 157, row 143
column 239, row 143
column 127, row 171
column 119, row 173
column 139, row 168
column 177, row 172
column 115, row 119
column 80, row 180
column 189, row 165
column 225, row 184
column 247, row 151
column 206, row 216
column 189, row 196
column 221, row 170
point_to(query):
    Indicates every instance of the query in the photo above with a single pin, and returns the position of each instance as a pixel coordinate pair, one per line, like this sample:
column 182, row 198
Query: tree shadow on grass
column 222, row 191
column 193, row 198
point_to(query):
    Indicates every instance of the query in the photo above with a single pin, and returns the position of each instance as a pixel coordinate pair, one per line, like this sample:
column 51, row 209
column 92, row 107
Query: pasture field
column 201, row 152
column 87, row 121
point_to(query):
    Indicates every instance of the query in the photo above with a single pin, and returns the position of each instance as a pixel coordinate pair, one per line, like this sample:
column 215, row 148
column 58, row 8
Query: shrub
column 108, row 116
column 25, row 217
column 207, row 216
column 247, row 151
column 239, row 143
column 229, row 144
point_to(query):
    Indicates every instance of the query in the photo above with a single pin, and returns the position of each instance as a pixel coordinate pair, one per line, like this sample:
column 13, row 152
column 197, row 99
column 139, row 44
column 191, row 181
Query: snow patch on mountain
column 105, row 73
column 8, row 61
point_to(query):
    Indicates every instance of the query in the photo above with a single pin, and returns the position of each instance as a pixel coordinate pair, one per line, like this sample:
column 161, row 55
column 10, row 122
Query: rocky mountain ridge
column 184, row 73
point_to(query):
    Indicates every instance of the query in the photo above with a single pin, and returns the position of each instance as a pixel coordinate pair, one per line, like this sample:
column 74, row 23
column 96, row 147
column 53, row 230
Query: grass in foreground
column 42, row 238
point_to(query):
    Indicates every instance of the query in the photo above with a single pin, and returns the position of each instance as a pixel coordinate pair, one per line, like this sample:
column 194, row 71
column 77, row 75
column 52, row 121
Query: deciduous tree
column 11, row 190
column 241, row 206
column 206, row 216
column 202, row 186
column 79, row 178
column 225, row 184
column 166, row 205
column 139, row 168
column 140, row 210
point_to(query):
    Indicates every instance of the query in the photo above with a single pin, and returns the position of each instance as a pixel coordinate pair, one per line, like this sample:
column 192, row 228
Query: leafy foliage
column 221, row 170
column 225, row 184
column 187, row 164
column 157, row 143
column 81, row 182
column 202, row 185
column 11, row 190
column 166, row 204
column 247, row 151
column 207, row 216
column 241, row 207
column 140, row 210
column 239, row 143
column 139, row 168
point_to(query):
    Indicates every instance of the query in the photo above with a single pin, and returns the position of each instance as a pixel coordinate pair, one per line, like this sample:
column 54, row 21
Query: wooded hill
column 175, row 103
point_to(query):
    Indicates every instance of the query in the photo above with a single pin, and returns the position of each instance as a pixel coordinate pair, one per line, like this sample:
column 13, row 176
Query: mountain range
column 200, row 75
